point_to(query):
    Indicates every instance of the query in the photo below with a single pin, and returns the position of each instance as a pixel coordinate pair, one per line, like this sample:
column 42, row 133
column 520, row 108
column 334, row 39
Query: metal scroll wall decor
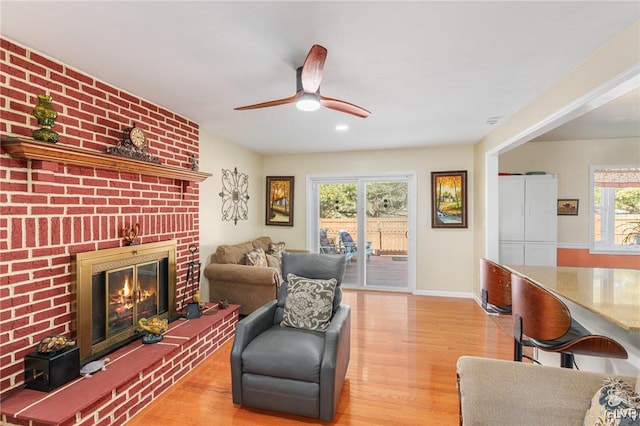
column 234, row 195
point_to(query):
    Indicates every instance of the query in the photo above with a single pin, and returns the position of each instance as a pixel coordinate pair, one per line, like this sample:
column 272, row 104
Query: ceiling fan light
column 308, row 102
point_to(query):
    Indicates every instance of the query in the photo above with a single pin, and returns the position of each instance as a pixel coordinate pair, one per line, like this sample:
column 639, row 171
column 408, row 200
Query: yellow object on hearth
column 154, row 325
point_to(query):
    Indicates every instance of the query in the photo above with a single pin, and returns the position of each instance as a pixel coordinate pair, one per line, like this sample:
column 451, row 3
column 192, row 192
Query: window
column 615, row 215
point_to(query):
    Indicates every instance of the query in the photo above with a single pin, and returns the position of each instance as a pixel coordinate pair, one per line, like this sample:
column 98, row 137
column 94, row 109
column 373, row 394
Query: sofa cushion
column 274, row 262
column 615, row 403
column 233, row 253
column 309, row 303
column 276, row 249
column 257, row 257
column 262, row 242
column 290, row 353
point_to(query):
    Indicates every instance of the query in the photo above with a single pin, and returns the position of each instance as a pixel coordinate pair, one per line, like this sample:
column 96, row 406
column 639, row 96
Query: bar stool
column 495, row 287
column 546, row 322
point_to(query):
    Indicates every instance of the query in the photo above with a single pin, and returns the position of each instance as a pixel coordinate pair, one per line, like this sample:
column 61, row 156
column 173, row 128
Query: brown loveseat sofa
column 232, row 279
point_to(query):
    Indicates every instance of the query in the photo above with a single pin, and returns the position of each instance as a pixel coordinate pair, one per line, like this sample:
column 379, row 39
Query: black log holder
column 193, row 310
column 193, row 269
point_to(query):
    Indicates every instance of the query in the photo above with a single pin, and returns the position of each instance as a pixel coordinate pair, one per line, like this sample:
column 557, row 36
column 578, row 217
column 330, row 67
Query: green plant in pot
column 631, row 232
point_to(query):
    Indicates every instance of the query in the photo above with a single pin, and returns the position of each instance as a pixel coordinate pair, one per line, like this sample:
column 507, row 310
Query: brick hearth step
column 136, row 374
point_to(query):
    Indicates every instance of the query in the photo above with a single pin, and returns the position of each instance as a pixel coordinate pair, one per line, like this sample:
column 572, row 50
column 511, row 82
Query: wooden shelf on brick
column 29, row 149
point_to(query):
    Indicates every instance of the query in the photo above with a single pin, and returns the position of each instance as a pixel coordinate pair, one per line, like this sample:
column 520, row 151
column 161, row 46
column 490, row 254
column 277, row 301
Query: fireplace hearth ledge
column 136, row 374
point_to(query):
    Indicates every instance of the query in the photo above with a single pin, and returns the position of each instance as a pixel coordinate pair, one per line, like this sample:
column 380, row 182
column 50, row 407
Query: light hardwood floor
column 404, row 350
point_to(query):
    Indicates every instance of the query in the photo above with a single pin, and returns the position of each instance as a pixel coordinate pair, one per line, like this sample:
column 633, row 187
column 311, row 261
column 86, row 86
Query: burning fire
column 127, row 295
column 126, row 288
column 124, row 294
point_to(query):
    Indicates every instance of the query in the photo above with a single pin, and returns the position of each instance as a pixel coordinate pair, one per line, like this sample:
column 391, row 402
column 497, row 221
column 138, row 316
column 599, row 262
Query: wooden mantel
column 29, row 149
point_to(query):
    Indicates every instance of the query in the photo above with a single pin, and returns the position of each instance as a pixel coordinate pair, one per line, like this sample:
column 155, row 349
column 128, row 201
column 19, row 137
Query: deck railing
column 387, row 236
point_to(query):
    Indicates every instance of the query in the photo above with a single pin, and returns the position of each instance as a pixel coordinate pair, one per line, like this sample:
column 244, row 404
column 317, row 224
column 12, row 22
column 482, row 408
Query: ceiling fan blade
column 276, row 102
column 312, row 68
column 343, row 106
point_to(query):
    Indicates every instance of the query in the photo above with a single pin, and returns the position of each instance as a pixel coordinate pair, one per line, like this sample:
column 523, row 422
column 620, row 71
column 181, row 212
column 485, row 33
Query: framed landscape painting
column 279, row 198
column 449, row 199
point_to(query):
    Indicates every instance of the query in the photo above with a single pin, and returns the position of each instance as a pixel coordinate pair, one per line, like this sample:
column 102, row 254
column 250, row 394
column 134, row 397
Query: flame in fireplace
column 125, row 293
column 126, row 288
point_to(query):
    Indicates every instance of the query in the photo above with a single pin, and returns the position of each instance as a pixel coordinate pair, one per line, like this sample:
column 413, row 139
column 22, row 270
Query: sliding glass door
column 387, row 234
column 365, row 219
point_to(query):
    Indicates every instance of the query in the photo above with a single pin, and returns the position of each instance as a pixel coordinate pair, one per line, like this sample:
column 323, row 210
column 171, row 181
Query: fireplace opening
column 115, row 288
column 122, row 296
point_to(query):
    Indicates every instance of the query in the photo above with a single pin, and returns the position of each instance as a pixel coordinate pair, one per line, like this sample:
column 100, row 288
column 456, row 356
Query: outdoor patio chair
column 350, row 247
column 326, row 245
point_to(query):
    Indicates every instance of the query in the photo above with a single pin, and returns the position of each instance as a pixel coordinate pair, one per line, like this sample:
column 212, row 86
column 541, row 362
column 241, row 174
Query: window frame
column 607, row 214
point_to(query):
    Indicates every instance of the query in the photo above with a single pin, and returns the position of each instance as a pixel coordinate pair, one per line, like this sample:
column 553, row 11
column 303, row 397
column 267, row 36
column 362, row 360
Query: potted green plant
column 631, row 232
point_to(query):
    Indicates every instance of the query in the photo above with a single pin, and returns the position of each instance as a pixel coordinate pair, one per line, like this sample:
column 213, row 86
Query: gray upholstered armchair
column 291, row 369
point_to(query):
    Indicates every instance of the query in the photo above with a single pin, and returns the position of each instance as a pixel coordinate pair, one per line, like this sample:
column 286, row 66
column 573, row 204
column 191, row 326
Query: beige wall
column 217, row 154
column 436, row 273
column 447, row 260
column 444, row 256
column 570, row 161
column 620, row 56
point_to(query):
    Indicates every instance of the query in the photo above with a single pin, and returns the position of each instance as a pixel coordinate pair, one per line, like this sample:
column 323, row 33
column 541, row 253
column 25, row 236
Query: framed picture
column 279, row 201
column 568, row 207
column 449, row 199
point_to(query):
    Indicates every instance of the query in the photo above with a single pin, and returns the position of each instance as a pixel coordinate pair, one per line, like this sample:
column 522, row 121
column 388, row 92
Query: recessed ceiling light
column 342, row 127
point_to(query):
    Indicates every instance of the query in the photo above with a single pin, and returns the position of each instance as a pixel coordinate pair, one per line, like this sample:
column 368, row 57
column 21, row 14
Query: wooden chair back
column 496, row 280
column 544, row 316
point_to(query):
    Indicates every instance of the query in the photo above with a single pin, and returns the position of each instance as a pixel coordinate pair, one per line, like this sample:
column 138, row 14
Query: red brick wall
column 75, row 209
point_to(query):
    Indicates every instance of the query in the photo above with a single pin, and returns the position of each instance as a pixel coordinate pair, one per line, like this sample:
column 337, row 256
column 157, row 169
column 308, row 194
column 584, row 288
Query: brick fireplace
column 51, row 210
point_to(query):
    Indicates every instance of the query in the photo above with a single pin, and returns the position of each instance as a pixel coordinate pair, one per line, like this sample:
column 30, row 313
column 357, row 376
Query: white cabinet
column 527, row 253
column 528, row 220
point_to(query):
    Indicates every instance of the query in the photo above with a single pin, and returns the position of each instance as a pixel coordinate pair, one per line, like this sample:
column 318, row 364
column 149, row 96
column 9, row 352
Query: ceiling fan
column 307, row 96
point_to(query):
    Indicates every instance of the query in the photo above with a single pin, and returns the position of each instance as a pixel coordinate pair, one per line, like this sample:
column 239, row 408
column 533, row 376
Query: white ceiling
column 431, row 73
column 618, row 118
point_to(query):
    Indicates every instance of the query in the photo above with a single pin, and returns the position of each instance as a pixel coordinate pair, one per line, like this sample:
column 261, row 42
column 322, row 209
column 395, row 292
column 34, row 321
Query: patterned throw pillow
column 309, row 303
column 257, row 257
column 275, row 262
column 276, row 249
column 614, row 404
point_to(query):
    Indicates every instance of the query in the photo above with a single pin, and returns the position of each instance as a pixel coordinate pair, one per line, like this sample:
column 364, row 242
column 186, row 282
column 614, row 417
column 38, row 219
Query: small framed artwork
column 449, row 199
column 279, row 209
column 568, row 207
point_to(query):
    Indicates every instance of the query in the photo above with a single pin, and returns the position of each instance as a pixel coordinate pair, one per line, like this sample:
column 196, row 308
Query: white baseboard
column 444, row 294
